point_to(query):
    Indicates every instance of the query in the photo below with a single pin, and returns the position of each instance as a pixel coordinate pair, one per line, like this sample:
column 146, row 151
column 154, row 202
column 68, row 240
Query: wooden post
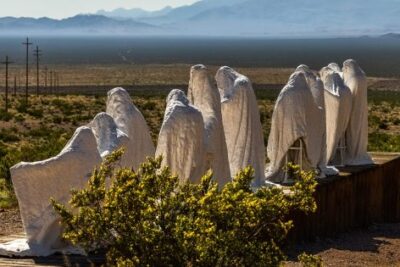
column 27, row 44
column 7, row 63
column 45, row 78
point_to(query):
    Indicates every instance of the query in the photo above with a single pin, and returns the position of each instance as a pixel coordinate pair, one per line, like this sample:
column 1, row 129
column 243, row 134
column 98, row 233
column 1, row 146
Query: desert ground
column 41, row 129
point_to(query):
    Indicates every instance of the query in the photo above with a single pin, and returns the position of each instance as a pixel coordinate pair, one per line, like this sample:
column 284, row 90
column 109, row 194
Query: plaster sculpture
column 242, row 125
column 181, row 138
column 338, row 103
column 109, row 137
column 335, row 67
column 131, row 122
column 35, row 183
column 316, row 122
column 357, row 132
column 203, row 94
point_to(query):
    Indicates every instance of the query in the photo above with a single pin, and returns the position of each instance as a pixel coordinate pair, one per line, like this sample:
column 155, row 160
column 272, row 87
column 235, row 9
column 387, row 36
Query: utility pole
column 51, row 82
column 45, row 78
column 37, row 54
column 15, row 85
column 7, row 62
column 27, row 44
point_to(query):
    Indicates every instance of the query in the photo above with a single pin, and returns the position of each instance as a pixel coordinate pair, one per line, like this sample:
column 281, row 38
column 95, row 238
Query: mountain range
column 268, row 18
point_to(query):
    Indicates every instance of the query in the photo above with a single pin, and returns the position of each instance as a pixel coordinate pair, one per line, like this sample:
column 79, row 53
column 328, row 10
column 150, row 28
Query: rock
column 357, row 132
column 205, row 96
column 109, row 138
column 181, row 138
column 131, row 122
column 241, row 122
column 35, row 183
column 338, row 101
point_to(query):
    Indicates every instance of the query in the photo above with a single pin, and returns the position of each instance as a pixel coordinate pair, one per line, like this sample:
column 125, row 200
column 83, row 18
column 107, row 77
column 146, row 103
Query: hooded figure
column 36, row 182
column 338, row 101
column 336, row 68
column 109, row 137
column 203, row 94
column 181, row 138
column 289, row 126
column 316, row 122
column 131, row 122
column 357, row 132
column 242, row 125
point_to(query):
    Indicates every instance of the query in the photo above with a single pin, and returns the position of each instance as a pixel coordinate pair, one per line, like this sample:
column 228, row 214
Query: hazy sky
column 68, row 8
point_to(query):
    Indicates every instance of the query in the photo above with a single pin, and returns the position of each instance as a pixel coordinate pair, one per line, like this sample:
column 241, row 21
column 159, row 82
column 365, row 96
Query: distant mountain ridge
column 266, row 18
column 80, row 24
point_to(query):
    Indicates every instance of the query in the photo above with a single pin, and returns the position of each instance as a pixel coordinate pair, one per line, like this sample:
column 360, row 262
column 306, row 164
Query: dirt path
column 378, row 245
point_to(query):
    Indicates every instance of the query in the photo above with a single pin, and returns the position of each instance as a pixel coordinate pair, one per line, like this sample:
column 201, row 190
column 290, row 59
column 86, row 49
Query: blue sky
column 68, row 8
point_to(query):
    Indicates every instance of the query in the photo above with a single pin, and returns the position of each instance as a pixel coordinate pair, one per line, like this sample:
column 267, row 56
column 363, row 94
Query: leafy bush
column 147, row 218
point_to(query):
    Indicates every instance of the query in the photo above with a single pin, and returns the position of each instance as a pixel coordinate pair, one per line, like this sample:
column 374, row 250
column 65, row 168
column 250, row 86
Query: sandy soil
column 378, row 245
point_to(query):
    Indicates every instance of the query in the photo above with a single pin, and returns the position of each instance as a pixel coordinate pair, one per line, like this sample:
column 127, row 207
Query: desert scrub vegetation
column 147, row 218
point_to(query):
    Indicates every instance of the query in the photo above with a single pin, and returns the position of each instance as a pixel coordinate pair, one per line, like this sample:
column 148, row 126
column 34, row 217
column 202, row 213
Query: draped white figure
column 357, row 132
column 204, row 95
column 242, row 125
column 335, row 67
column 338, row 103
column 109, row 137
column 316, row 122
column 35, row 183
column 289, row 125
column 181, row 139
column 131, row 122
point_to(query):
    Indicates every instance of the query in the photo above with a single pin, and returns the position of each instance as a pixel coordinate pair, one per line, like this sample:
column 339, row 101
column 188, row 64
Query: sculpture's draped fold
column 35, row 183
column 131, row 122
column 181, row 138
column 241, row 122
column 357, row 132
column 338, row 103
column 204, row 95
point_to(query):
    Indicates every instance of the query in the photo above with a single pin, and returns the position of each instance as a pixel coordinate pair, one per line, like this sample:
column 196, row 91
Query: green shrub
column 5, row 116
column 146, row 218
column 310, row 260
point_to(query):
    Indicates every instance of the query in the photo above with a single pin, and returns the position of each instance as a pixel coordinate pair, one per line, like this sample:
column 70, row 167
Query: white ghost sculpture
column 289, row 125
column 335, row 67
column 338, row 102
column 242, row 125
column 357, row 132
column 316, row 124
column 109, row 137
column 181, row 138
column 204, row 95
column 131, row 122
column 35, row 183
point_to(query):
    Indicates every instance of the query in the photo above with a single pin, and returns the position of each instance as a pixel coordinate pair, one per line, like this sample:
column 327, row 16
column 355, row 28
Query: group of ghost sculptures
column 35, row 183
column 213, row 128
column 325, row 113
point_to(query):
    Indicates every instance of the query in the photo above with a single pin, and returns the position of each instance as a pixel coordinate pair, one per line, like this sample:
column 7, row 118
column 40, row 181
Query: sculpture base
column 357, row 197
